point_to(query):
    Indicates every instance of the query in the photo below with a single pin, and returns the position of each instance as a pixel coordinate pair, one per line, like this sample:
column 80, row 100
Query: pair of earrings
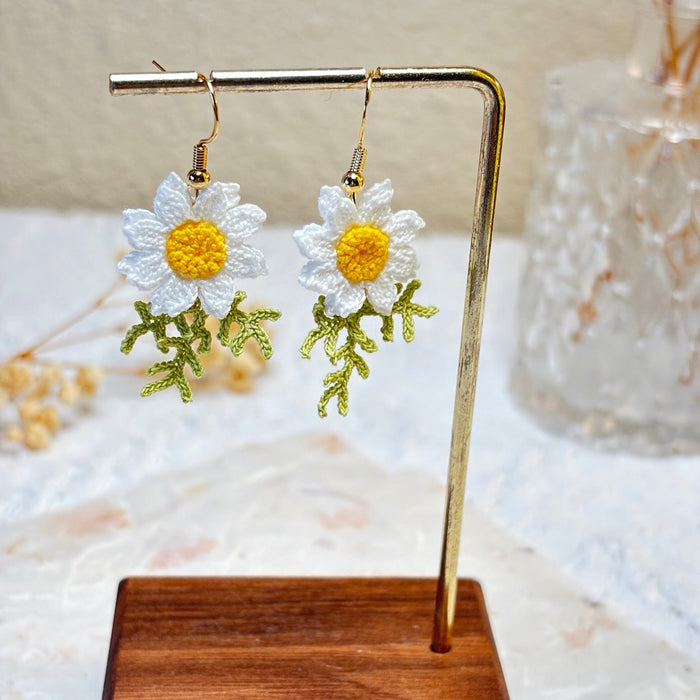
column 191, row 250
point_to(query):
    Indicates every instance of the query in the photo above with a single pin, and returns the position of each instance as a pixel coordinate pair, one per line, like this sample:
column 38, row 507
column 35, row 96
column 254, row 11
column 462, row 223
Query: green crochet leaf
column 183, row 344
column 408, row 310
column 191, row 329
column 249, row 327
column 329, row 328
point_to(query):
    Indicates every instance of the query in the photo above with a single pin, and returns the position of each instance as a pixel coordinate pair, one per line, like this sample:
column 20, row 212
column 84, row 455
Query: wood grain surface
column 268, row 638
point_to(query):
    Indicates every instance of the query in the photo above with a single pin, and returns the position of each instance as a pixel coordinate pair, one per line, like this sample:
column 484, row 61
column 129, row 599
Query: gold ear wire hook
column 215, row 107
column 198, row 178
column 368, row 95
column 353, row 180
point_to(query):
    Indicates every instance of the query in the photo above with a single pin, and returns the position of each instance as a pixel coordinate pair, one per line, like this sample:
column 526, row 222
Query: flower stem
column 68, row 364
column 671, row 35
column 28, row 353
column 82, row 338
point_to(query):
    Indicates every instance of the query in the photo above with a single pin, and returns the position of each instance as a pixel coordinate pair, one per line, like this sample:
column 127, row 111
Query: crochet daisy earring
column 362, row 264
column 190, row 251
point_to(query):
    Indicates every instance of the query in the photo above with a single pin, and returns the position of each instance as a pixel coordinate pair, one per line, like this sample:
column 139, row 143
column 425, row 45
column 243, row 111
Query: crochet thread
column 249, row 327
column 190, row 325
column 329, row 328
column 362, row 252
column 195, row 249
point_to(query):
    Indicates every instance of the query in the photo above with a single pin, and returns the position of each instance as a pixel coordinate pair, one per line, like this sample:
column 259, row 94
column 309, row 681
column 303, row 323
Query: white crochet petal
column 144, row 269
column 314, row 242
column 143, row 230
column 172, row 204
column 322, row 277
column 382, row 294
column 402, row 264
column 328, row 200
column 337, row 210
column 214, row 201
column 403, row 226
column 216, row 294
column 374, row 205
column 174, row 296
column 241, row 222
column 345, row 301
column 245, row 261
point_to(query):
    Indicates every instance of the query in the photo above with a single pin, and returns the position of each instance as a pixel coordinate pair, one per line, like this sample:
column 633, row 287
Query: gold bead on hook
column 199, row 176
column 353, row 180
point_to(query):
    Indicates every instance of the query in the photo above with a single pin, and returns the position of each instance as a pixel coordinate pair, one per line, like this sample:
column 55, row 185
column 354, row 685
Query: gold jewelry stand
column 339, row 638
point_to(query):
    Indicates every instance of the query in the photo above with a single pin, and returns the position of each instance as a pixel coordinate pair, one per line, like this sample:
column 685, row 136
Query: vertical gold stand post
column 482, row 227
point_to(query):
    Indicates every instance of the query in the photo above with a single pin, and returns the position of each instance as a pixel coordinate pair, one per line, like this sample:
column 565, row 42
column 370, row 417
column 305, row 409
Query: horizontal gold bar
column 154, row 83
column 273, row 80
column 308, row 79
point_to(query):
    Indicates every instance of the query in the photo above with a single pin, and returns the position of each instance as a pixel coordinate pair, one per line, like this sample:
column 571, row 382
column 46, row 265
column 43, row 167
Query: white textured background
column 66, row 143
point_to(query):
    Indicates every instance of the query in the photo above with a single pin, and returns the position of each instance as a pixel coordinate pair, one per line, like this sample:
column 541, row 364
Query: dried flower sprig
column 37, row 395
column 677, row 66
column 679, row 61
column 40, row 396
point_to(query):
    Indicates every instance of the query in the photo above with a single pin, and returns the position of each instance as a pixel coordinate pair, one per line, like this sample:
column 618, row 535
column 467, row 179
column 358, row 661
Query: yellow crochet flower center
column 362, row 253
column 195, row 249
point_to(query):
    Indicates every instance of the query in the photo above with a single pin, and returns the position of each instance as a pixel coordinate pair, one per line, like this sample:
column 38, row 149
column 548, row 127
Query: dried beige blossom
column 45, row 382
column 51, row 374
column 37, row 436
column 39, row 389
column 29, row 410
column 14, row 434
column 15, row 377
column 88, row 379
column 49, row 418
column 69, row 393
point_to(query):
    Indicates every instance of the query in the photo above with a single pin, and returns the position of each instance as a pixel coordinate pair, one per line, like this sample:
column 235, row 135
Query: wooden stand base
column 296, row 638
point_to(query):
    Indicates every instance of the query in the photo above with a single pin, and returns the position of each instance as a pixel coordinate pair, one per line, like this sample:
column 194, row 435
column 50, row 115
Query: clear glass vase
column 609, row 307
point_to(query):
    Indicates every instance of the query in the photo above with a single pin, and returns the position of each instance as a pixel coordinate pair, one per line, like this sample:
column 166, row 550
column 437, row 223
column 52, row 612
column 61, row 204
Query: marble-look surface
column 626, row 529
column 305, row 506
